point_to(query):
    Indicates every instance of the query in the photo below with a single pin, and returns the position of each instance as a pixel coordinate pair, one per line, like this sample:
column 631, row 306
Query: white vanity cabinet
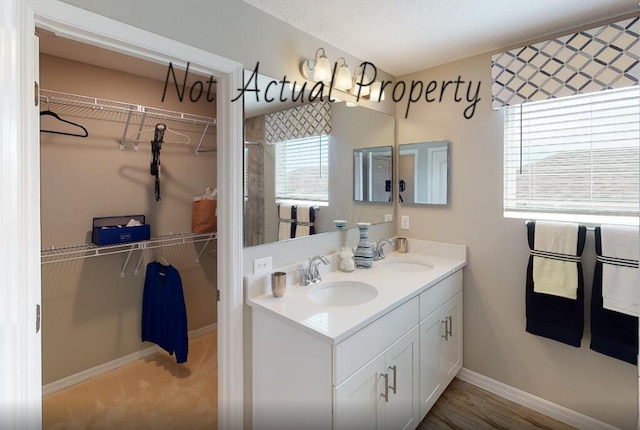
column 384, row 393
column 385, row 375
column 440, row 339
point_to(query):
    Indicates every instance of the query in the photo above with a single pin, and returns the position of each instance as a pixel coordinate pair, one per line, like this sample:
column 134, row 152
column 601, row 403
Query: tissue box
column 112, row 230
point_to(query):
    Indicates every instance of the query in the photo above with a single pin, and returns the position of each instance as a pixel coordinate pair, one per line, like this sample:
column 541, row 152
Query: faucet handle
column 304, row 276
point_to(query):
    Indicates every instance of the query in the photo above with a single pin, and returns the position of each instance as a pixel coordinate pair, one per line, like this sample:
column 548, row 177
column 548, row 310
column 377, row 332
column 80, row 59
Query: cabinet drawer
column 356, row 351
column 438, row 295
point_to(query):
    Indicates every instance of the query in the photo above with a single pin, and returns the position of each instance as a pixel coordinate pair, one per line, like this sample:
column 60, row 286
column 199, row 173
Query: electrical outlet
column 261, row 265
column 388, row 217
column 404, row 222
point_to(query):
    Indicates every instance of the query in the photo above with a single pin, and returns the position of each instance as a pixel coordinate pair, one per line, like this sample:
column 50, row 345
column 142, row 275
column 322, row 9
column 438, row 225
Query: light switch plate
column 404, row 222
column 388, row 217
column 261, row 265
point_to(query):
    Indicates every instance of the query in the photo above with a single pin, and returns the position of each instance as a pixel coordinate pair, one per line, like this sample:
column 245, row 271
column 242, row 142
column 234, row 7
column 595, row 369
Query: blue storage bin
column 112, row 230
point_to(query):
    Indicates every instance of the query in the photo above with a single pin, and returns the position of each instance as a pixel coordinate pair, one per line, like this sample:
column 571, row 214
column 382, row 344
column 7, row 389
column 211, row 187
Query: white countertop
column 335, row 323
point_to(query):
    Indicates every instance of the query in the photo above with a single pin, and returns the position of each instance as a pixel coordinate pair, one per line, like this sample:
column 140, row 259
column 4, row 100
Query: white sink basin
column 406, row 265
column 342, row 293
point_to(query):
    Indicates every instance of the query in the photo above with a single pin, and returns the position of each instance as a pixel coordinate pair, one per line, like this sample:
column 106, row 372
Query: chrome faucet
column 378, row 251
column 311, row 274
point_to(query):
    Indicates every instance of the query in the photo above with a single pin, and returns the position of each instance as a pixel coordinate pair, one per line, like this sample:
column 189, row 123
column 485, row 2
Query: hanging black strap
column 156, row 146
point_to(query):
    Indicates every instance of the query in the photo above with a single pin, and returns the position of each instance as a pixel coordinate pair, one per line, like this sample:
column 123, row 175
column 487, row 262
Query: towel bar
column 588, row 228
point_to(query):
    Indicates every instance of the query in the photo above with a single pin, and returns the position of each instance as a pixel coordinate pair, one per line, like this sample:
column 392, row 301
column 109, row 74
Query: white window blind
column 574, row 155
column 302, row 169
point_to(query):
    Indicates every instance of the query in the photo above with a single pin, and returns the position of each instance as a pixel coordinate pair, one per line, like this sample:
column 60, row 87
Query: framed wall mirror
column 290, row 150
column 373, row 174
column 423, row 173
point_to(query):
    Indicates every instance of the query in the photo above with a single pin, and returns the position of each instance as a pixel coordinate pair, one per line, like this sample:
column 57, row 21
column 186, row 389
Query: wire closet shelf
column 133, row 116
column 77, row 252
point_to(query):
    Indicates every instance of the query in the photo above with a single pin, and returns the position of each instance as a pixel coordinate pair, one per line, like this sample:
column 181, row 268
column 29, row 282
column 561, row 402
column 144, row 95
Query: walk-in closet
column 114, row 153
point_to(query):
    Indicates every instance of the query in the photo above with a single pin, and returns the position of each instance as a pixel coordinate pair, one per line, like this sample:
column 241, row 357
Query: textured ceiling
column 405, row 36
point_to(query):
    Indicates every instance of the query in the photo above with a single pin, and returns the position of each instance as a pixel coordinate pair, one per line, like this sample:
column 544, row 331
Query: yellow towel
column 551, row 276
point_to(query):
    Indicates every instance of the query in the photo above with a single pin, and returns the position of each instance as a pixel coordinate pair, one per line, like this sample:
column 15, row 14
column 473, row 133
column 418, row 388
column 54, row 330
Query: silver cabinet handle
column 386, row 387
column 450, row 325
column 395, row 379
column 446, row 328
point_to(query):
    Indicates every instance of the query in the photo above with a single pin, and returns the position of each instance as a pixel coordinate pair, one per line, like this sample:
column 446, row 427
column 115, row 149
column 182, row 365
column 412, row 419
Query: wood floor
column 465, row 407
column 156, row 393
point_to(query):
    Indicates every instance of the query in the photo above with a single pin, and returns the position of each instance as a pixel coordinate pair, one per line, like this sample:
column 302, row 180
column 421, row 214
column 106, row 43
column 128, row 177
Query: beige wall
column 90, row 314
column 495, row 342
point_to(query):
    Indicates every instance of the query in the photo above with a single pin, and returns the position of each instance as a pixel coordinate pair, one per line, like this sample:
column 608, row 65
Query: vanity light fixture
column 318, row 69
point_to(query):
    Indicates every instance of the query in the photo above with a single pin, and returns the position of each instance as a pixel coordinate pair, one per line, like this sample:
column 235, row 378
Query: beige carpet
column 154, row 393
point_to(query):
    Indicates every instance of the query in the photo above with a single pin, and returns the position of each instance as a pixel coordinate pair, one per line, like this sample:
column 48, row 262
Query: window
column 302, row 169
column 574, row 158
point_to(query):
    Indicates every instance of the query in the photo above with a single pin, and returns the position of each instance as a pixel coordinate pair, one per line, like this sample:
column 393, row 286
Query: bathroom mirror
column 351, row 128
column 373, row 174
column 423, row 173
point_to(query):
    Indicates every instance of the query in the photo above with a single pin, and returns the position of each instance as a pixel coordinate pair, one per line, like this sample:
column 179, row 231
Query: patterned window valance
column 312, row 119
column 602, row 58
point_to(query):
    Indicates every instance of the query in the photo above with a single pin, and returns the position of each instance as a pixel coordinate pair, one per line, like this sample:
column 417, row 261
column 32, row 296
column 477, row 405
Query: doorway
column 76, row 23
column 99, row 111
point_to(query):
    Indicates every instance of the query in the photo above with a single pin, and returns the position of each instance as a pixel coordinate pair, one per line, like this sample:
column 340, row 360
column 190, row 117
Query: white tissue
column 209, row 194
column 133, row 223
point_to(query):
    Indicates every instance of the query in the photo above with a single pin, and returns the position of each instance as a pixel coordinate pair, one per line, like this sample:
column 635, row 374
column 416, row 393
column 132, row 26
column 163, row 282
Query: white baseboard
column 203, row 330
column 100, row 369
column 560, row 413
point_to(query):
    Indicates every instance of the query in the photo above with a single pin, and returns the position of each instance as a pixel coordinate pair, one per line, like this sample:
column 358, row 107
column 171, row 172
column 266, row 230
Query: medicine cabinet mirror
column 423, row 173
column 373, row 174
column 352, row 128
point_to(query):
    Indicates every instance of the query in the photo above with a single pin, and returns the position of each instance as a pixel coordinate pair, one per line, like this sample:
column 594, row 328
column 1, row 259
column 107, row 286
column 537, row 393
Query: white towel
column 551, row 276
column 303, row 216
column 284, row 227
column 620, row 284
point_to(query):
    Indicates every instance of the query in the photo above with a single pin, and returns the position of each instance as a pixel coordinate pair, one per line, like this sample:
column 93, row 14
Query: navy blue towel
column 550, row 316
column 612, row 333
column 164, row 315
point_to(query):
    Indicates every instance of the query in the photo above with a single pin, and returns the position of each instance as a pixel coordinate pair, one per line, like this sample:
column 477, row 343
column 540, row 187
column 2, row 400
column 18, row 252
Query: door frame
column 20, row 159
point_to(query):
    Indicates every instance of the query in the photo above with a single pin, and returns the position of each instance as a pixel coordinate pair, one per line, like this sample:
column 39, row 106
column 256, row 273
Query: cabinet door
column 451, row 355
column 432, row 330
column 359, row 401
column 402, row 358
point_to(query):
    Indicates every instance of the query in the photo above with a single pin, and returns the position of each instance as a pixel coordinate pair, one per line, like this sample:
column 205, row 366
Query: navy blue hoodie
column 164, row 315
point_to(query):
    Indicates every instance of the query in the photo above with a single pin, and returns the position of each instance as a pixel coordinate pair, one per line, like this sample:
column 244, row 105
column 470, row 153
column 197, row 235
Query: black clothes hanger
column 156, row 146
column 55, row 115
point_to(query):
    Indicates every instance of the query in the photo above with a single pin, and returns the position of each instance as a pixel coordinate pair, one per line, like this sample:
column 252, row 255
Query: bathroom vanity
column 370, row 349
